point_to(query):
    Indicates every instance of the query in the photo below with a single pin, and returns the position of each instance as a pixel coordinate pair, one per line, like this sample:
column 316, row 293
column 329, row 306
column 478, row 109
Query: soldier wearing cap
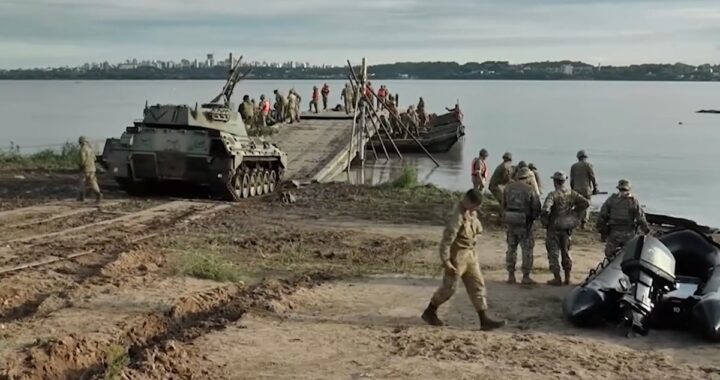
column 619, row 219
column 88, row 177
column 457, row 253
column 582, row 180
column 501, row 177
column 533, row 183
column 560, row 215
column 479, row 172
column 534, row 169
column 522, row 208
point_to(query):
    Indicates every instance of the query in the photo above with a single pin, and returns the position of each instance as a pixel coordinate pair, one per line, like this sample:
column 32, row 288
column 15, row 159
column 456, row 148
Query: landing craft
column 206, row 145
column 668, row 281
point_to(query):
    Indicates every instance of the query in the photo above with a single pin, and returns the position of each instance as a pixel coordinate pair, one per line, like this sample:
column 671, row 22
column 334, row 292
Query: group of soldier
column 285, row 108
column 517, row 189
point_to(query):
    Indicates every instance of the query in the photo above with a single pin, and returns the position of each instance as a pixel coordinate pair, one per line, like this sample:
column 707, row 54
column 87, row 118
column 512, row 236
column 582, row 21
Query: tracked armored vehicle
column 206, row 145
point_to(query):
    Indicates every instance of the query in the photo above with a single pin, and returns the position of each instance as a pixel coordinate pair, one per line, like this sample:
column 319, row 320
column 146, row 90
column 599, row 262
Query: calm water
column 629, row 129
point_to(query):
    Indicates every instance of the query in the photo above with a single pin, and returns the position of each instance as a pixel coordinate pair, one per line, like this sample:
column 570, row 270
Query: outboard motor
column 650, row 267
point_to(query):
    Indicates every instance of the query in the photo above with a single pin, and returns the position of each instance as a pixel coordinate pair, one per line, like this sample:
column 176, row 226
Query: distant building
column 567, row 70
column 210, row 60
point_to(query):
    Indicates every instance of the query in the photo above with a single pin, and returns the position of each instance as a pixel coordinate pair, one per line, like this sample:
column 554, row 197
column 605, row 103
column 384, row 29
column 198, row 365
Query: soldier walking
column 501, row 177
column 619, row 219
column 479, row 173
column 582, row 180
column 292, row 105
column 560, row 213
column 315, row 99
column 522, row 208
column 325, row 94
column 533, row 183
column 457, row 253
column 264, row 110
column 88, row 178
column 347, row 97
column 280, row 107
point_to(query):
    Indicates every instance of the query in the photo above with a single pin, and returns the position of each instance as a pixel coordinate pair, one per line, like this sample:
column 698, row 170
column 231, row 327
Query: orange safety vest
column 265, row 107
column 381, row 93
column 316, row 95
column 479, row 167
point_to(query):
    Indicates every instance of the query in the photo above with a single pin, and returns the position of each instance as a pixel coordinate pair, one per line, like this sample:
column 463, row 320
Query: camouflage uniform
column 537, row 178
column 347, row 96
column 88, row 177
column 458, row 246
column 619, row 218
column 247, row 111
column 293, row 104
column 522, row 207
column 560, row 213
column 500, row 177
column 280, row 107
column 582, row 180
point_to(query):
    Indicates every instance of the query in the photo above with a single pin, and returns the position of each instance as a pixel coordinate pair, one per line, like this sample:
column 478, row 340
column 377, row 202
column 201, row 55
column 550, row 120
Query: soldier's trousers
column 616, row 239
column 325, row 100
column 314, row 103
column 348, row 106
column 468, row 269
column 557, row 243
column 88, row 179
column 497, row 193
column 585, row 215
column 522, row 236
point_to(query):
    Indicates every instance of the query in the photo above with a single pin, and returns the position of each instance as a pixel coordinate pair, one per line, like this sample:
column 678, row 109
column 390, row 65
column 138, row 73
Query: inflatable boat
column 671, row 280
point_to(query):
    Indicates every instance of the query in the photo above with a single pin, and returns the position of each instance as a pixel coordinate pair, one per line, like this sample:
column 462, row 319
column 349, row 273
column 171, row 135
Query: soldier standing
column 560, row 213
column 292, row 105
column 479, row 172
column 457, row 253
column 316, row 99
column 422, row 116
column 347, row 97
column 325, row 94
column 264, row 110
column 582, row 180
column 280, row 107
column 620, row 216
column 533, row 183
column 522, row 208
column 88, row 177
column 247, row 111
column 534, row 169
column 501, row 177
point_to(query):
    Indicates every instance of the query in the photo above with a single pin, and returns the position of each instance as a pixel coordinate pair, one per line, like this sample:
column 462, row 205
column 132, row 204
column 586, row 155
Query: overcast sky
column 70, row 32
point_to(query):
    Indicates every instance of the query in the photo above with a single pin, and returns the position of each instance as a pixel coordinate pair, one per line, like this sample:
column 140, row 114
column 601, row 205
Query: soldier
column 560, row 213
column 501, row 177
column 457, row 252
column 523, row 165
column 264, row 110
column 479, row 172
column 297, row 105
column 87, row 171
column 582, row 180
column 381, row 95
column 422, row 116
column 522, row 208
column 292, row 105
column 325, row 94
column 620, row 216
column 347, row 96
column 316, row 99
column 280, row 107
column 247, row 111
column 534, row 169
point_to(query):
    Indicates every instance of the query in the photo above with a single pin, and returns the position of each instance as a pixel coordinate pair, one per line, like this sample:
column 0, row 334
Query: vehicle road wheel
column 260, row 190
column 237, row 185
column 272, row 180
column 266, row 182
column 245, row 186
column 252, row 185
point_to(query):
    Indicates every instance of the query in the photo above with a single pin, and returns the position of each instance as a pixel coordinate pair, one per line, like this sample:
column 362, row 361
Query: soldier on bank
column 620, row 217
column 292, row 105
column 479, row 173
column 501, row 177
column 533, row 183
column 457, row 253
column 325, row 94
column 347, row 96
column 522, row 208
column 560, row 213
column 247, row 111
column 280, row 107
column 88, row 177
column 582, row 180
column 534, row 169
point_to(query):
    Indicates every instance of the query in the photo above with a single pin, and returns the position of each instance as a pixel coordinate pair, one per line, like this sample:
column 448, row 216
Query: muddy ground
column 328, row 287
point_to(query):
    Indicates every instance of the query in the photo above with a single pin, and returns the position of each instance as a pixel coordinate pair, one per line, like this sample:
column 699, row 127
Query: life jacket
column 265, row 106
column 368, row 91
column 316, row 95
column 381, row 93
column 325, row 90
column 475, row 167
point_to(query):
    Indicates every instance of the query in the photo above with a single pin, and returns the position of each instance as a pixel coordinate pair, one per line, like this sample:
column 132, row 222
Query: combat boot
column 556, row 281
column 526, row 280
column 511, row 278
column 98, row 197
column 81, row 196
column 430, row 316
column 567, row 276
column 487, row 323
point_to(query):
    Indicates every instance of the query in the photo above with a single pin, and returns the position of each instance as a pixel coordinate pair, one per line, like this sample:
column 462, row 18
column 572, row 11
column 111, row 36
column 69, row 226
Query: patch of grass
column 65, row 158
column 408, row 178
column 116, row 359
column 206, row 265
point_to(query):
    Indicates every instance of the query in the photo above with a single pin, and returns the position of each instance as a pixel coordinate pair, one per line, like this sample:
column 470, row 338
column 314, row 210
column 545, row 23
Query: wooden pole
column 387, row 133
column 377, row 132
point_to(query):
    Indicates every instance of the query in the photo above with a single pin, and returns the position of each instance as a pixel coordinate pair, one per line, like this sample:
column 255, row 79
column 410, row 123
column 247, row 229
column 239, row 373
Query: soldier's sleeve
column 591, row 175
column 640, row 216
column 580, row 201
column 451, row 229
column 572, row 176
column 546, row 207
column 535, row 206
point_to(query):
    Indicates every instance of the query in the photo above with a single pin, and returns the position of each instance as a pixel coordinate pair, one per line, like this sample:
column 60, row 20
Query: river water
column 644, row 131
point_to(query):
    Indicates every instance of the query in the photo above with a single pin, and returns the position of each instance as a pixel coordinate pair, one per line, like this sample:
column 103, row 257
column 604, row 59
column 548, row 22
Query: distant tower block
column 210, row 60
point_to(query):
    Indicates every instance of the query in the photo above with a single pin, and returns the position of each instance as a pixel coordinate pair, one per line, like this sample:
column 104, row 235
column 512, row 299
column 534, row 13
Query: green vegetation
column 116, row 359
column 67, row 158
column 206, row 265
column 408, row 178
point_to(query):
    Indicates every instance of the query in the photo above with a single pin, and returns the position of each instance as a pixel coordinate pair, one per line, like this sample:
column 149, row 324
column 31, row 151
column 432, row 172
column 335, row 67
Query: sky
column 40, row 33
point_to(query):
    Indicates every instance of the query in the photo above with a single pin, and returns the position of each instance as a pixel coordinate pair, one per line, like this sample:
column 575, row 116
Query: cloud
column 49, row 32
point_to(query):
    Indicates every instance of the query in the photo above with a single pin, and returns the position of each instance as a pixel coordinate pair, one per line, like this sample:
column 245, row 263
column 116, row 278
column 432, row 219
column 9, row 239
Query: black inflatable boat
column 668, row 281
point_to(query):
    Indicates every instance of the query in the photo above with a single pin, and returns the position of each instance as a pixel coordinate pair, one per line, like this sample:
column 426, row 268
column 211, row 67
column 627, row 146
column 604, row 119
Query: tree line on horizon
column 548, row 70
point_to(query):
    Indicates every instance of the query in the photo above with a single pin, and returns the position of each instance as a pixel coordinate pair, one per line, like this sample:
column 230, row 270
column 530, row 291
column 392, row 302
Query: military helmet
column 507, row 156
column 524, row 173
column 623, row 184
column 483, row 152
column 275, row 91
column 82, row 140
column 246, row 98
column 559, row 176
column 262, row 97
column 581, row 154
column 522, row 164
column 532, row 166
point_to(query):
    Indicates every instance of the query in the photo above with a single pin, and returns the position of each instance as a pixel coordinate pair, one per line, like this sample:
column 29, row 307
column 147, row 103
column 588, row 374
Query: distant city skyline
column 41, row 33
